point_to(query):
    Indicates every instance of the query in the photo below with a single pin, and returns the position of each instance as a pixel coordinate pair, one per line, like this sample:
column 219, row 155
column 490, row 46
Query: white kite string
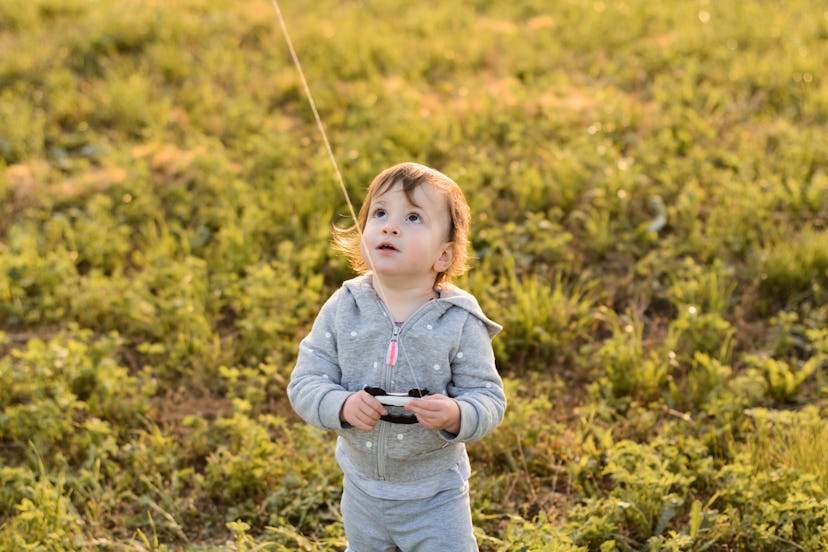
column 331, row 156
column 316, row 114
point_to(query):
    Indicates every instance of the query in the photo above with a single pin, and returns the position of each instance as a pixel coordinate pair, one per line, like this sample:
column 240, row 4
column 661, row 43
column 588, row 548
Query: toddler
column 399, row 364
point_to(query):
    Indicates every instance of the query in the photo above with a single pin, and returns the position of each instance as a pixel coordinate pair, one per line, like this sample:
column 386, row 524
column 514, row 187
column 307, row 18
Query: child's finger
column 362, row 411
column 429, row 403
column 372, row 403
column 436, row 412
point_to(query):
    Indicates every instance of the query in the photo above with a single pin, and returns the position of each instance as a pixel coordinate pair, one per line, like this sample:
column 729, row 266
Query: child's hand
column 437, row 412
column 362, row 411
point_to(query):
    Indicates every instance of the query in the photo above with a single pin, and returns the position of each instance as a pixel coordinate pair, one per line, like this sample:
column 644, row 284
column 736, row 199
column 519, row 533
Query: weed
column 795, row 269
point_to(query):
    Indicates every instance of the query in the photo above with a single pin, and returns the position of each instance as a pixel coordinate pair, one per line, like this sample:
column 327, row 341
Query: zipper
column 390, row 361
column 381, row 452
column 391, row 356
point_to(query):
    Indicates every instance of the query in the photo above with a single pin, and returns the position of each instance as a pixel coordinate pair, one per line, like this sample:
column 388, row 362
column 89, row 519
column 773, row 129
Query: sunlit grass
column 648, row 184
column 792, row 440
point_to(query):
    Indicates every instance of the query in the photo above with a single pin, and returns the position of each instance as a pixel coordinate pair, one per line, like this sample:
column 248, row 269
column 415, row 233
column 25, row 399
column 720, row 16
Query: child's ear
column 446, row 257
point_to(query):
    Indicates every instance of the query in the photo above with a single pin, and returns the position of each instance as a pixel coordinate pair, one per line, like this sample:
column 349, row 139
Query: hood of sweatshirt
column 362, row 289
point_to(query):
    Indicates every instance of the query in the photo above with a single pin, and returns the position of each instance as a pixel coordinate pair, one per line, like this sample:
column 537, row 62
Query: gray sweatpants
column 441, row 523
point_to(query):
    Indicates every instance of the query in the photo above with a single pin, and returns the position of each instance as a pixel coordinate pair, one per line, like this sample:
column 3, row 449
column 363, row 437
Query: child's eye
column 379, row 213
column 413, row 217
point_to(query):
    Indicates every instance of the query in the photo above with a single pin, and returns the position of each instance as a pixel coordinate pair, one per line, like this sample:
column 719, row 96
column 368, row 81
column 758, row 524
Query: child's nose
column 391, row 228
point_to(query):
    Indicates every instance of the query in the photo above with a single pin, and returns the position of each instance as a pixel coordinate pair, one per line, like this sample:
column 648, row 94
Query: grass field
column 649, row 186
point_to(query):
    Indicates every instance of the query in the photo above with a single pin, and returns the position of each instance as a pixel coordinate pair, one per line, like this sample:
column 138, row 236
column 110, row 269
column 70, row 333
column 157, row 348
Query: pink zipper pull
column 391, row 355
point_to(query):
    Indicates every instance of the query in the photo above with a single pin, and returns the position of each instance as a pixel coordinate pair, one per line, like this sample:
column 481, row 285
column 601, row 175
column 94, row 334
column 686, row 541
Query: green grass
column 649, row 185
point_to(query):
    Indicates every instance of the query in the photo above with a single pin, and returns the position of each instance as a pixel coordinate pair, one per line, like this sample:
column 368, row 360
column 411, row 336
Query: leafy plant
column 546, row 321
column 783, row 380
column 629, row 371
column 43, row 517
column 796, row 268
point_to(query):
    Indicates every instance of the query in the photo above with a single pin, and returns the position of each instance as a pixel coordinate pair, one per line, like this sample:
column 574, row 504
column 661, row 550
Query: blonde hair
column 411, row 176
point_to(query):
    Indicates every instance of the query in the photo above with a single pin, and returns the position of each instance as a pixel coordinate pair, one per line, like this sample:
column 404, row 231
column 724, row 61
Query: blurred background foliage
column 649, row 184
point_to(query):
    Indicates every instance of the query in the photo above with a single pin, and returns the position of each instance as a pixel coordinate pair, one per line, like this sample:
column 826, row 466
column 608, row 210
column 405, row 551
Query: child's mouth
column 386, row 247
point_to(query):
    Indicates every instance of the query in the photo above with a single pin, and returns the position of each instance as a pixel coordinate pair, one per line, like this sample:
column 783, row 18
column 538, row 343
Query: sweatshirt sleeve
column 476, row 384
column 315, row 389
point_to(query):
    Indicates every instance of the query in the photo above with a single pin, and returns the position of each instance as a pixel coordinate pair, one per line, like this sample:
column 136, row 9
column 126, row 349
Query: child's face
column 408, row 238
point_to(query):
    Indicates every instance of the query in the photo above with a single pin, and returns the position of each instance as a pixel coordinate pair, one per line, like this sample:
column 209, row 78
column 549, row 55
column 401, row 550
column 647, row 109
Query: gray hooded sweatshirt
column 445, row 347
